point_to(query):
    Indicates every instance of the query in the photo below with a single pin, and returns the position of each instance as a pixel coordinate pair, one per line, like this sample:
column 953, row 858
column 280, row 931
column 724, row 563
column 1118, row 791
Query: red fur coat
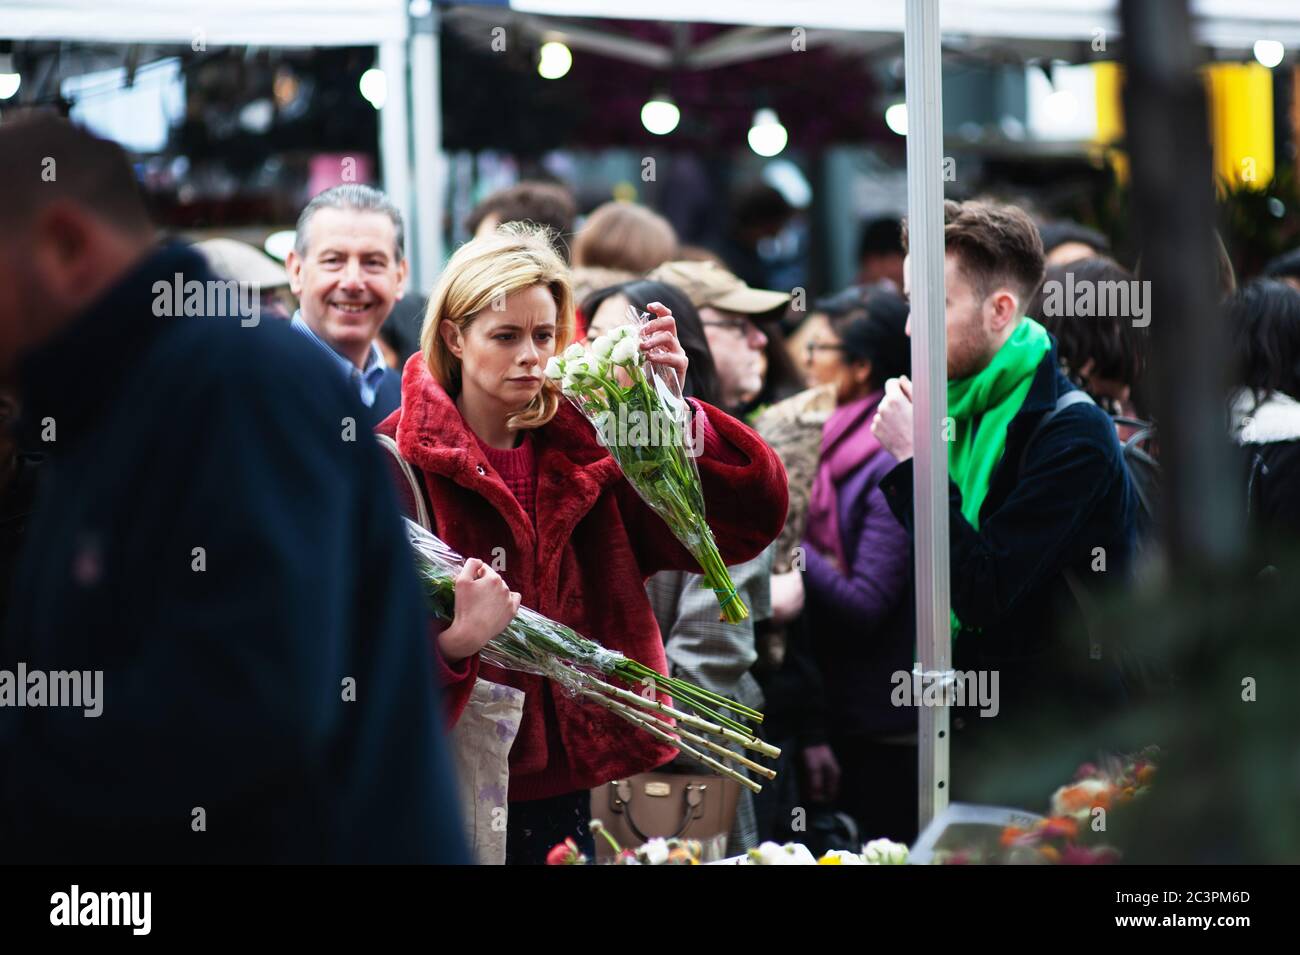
column 584, row 564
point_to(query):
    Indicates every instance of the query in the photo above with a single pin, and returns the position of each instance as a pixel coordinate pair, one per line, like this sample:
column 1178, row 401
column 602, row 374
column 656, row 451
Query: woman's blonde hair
column 517, row 256
column 623, row 235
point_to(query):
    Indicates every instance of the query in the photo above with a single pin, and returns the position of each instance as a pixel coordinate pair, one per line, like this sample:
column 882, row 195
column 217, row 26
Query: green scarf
column 990, row 400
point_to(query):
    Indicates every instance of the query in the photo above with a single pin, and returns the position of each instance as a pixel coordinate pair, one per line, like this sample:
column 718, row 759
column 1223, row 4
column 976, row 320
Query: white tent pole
column 395, row 133
column 426, row 126
column 922, row 60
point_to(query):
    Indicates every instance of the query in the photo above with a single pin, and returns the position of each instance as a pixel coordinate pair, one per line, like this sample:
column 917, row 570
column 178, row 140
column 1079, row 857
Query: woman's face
column 609, row 315
column 826, row 365
column 503, row 352
column 823, row 359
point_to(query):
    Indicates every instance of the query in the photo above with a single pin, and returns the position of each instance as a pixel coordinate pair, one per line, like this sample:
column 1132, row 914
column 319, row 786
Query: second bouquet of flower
column 640, row 415
column 532, row 643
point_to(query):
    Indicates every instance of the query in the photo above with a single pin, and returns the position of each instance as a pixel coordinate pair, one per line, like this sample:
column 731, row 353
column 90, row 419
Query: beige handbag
column 666, row 805
column 481, row 738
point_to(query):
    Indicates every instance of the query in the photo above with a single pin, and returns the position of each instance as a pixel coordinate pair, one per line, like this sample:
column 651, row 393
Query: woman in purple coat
column 858, row 571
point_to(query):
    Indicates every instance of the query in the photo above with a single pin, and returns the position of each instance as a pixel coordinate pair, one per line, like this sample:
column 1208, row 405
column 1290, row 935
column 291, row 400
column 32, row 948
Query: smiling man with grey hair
column 348, row 268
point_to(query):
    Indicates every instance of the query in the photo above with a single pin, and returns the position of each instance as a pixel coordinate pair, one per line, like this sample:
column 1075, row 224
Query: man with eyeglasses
column 727, row 309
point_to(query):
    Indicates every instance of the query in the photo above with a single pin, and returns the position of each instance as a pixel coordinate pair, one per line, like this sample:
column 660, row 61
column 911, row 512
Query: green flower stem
column 644, row 723
column 613, row 843
column 700, row 741
column 530, row 641
column 682, row 504
column 640, row 672
column 749, row 742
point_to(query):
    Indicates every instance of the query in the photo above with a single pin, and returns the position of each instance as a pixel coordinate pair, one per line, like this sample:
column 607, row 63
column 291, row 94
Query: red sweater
column 518, row 469
column 579, row 555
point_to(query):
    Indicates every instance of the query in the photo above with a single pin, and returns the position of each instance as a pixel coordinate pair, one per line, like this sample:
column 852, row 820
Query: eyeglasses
column 814, row 347
column 743, row 327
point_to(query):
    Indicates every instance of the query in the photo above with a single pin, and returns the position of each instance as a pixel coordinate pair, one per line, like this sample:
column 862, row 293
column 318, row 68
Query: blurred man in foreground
column 215, row 649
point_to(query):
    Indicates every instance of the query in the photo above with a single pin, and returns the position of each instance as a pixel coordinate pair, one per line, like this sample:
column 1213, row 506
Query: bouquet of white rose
column 535, row 644
column 639, row 413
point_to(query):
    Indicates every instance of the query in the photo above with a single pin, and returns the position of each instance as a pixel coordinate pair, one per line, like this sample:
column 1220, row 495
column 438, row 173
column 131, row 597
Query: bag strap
column 421, row 510
column 1087, row 605
column 692, row 800
column 1075, row 396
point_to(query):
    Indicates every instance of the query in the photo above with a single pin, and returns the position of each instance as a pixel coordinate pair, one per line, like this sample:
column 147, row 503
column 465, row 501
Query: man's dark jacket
column 214, row 535
column 1069, row 507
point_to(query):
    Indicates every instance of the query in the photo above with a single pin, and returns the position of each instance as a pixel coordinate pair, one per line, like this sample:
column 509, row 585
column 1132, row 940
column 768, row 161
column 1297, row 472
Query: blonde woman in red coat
column 514, row 476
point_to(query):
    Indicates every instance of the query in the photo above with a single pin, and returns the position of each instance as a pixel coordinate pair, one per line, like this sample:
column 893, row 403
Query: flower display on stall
column 653, row 852
column 640, row 415
column 536, row 644
column 1067, row 836
column 1064, row 838
column 876, row 852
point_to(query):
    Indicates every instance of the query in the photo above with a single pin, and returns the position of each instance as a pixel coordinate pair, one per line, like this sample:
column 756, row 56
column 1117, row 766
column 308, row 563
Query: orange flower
column 1078, row 800
column 1050, row 853
column 1146, row 774
column 1010, row 834
column 1062, row 826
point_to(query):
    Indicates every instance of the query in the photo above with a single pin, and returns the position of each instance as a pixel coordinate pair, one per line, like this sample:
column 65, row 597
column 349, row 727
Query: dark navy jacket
column 206, row 536
column 1071, row 497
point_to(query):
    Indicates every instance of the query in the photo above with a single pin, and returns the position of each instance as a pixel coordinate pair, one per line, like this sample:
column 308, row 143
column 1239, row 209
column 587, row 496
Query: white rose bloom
column 768, row 853
column 554, row 368
column 566, row 386
column 655, row 852
column 796, row 853
column 624, row 332
column 884, row 852
column 771, row 853
column 574, row 351
column 579, row 369
column 602, row 346
column 627, row 351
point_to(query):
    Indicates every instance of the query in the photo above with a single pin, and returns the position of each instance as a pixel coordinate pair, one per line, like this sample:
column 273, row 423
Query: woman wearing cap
column 515, row 477
column 731, row 313
column 856, row 582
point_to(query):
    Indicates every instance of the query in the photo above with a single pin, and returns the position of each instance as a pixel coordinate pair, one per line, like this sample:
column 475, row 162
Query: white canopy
column 222, row 23
column 1224, row 24
column 1229, row 25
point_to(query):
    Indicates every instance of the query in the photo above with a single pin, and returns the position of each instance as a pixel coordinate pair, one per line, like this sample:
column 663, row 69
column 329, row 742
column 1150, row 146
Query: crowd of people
column 197, row 508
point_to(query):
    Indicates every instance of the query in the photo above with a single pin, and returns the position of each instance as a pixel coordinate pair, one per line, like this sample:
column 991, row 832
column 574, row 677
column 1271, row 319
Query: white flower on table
column 771, row 853
column 655, row 852
column 841, row 857
column 884, row 852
